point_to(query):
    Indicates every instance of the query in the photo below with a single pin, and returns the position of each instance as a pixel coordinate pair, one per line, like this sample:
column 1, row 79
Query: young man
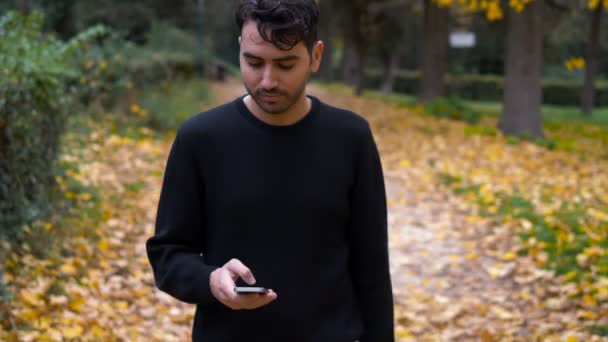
column 279, row 190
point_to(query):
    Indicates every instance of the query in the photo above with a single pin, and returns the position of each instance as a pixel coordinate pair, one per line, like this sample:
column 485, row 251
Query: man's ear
column 317, row 55
column 239, row 40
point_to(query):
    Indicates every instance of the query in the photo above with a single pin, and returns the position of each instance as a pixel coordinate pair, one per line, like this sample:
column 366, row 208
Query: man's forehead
column 252, row 41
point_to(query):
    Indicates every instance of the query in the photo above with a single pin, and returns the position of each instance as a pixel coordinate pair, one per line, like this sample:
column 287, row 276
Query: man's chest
column 310, row 178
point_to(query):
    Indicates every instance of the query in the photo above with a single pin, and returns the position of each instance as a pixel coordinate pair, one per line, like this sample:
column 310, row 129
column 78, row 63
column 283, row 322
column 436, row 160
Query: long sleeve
column 175, row 250
column 368, row 241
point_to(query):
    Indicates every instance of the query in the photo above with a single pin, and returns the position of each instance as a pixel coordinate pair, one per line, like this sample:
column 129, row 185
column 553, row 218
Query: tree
column 522, row 97
column 355, row 20
column 433, row 58
column 391, row 31
column 591, row 66
column 327, row 31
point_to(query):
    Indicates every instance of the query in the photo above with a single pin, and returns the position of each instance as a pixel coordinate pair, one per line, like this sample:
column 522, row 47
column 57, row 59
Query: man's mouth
column 270, row 96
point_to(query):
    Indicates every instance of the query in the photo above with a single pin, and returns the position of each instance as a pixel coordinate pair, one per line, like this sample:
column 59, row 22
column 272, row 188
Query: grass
column 551, row 113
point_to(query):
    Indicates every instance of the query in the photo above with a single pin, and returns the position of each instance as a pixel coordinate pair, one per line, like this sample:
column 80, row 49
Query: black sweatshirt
column 303, row 206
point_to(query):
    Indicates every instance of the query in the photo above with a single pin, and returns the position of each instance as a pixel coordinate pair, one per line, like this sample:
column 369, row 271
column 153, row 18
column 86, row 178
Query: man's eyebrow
column 280, row 59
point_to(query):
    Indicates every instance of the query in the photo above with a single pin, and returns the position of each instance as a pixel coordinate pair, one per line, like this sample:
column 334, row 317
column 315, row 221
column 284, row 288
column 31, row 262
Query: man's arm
column 175, row 249
column 368, row 239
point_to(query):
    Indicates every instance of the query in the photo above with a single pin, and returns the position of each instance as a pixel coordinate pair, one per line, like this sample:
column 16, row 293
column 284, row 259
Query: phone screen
column 250, row 289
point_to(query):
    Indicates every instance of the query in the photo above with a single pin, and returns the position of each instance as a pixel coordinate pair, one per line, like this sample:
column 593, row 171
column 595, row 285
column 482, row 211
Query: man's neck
column 291, row 116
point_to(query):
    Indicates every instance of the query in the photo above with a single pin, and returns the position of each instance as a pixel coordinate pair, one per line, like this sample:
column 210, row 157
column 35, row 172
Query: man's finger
column 236, row 267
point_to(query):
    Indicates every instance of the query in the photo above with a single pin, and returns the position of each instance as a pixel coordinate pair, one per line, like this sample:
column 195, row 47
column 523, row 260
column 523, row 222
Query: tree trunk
column 326, row 34
column 65, row 24
column 592, row 59
column 349, row 63
column 354, row 25
column 25, row 6
column 522, row 98
column 361, row 52
column 390, row 66
column 434, row 58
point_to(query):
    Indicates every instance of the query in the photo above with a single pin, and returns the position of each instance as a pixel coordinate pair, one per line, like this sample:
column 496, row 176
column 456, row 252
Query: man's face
column 275, row 79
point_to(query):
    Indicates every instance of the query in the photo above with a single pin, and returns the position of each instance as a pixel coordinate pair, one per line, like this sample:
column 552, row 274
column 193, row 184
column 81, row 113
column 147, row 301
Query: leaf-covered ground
column 456, row 269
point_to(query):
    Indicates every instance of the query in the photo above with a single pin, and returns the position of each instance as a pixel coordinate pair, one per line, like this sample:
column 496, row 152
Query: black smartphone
column 250, row 289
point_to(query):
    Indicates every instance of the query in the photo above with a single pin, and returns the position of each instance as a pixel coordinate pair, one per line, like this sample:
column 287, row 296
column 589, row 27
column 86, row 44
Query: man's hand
column 222, row 287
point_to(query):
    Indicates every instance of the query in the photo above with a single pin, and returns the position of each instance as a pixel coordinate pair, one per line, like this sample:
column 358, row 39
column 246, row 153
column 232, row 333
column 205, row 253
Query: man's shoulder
column 344, row 119
column 207, row 121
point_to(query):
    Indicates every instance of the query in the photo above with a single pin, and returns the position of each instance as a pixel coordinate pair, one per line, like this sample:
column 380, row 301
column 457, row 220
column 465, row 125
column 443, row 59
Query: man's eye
column 255, row 65
column 286, row 67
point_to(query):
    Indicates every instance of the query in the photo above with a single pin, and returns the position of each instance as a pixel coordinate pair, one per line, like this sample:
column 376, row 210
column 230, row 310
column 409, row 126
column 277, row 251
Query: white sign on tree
column 461, row 39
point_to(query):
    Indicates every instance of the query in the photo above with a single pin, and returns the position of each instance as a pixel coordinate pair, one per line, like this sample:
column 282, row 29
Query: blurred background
column 91, row 93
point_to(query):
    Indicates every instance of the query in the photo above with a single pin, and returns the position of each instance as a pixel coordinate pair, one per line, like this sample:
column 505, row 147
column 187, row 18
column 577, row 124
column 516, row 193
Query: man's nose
column 269, row 79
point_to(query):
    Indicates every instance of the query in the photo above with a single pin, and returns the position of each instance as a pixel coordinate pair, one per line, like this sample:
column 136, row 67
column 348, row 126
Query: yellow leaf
column 473, row 219
column 486, row 336
column 471, row 256
column 72, row 332
column 33, row 299
column 589, row 301
column 68, row 269
column 588, row 315
column 97, row 332
column 77, row 304
column 122, row 305
column 570, row 275
column 85, row 196
column 509, row 256
column 602, row 293
column 571, row 338
column 103, row 245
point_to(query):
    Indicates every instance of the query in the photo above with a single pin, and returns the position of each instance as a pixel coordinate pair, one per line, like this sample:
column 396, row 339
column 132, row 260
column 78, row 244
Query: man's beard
column 284, row 103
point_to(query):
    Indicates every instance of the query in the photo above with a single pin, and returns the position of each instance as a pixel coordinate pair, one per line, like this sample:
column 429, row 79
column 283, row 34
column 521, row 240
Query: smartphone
column 250, row 289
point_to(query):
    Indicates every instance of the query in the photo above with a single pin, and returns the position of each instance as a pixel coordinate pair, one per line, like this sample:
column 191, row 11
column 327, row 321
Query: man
column 279, row 190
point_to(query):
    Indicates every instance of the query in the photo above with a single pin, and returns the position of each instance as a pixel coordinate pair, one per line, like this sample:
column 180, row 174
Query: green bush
column 35, row 100
column 113, row 66
column 490, row 87
column 167, row 105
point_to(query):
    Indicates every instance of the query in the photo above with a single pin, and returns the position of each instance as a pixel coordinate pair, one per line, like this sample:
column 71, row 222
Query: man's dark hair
column 283, row 23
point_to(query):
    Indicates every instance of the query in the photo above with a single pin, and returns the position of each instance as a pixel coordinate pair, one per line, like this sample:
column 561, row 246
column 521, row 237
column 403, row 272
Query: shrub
column 490, row 87
column 35, row 100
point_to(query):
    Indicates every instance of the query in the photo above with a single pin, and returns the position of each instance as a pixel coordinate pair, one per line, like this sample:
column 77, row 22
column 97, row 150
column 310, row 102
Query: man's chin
column 272, row 107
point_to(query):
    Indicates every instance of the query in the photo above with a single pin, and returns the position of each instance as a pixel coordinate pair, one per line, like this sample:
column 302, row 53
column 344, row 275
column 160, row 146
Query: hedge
column 490, row 87
column 35, row 102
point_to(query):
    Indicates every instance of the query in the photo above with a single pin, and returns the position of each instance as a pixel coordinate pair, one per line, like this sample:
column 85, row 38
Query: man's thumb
column 236, row 267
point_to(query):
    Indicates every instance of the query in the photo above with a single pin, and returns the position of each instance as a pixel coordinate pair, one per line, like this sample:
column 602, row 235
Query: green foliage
column 166, row 105
column 168, row 52
column 36, row 97
column 452, row 108
column 115, row 66
column 601, row 330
